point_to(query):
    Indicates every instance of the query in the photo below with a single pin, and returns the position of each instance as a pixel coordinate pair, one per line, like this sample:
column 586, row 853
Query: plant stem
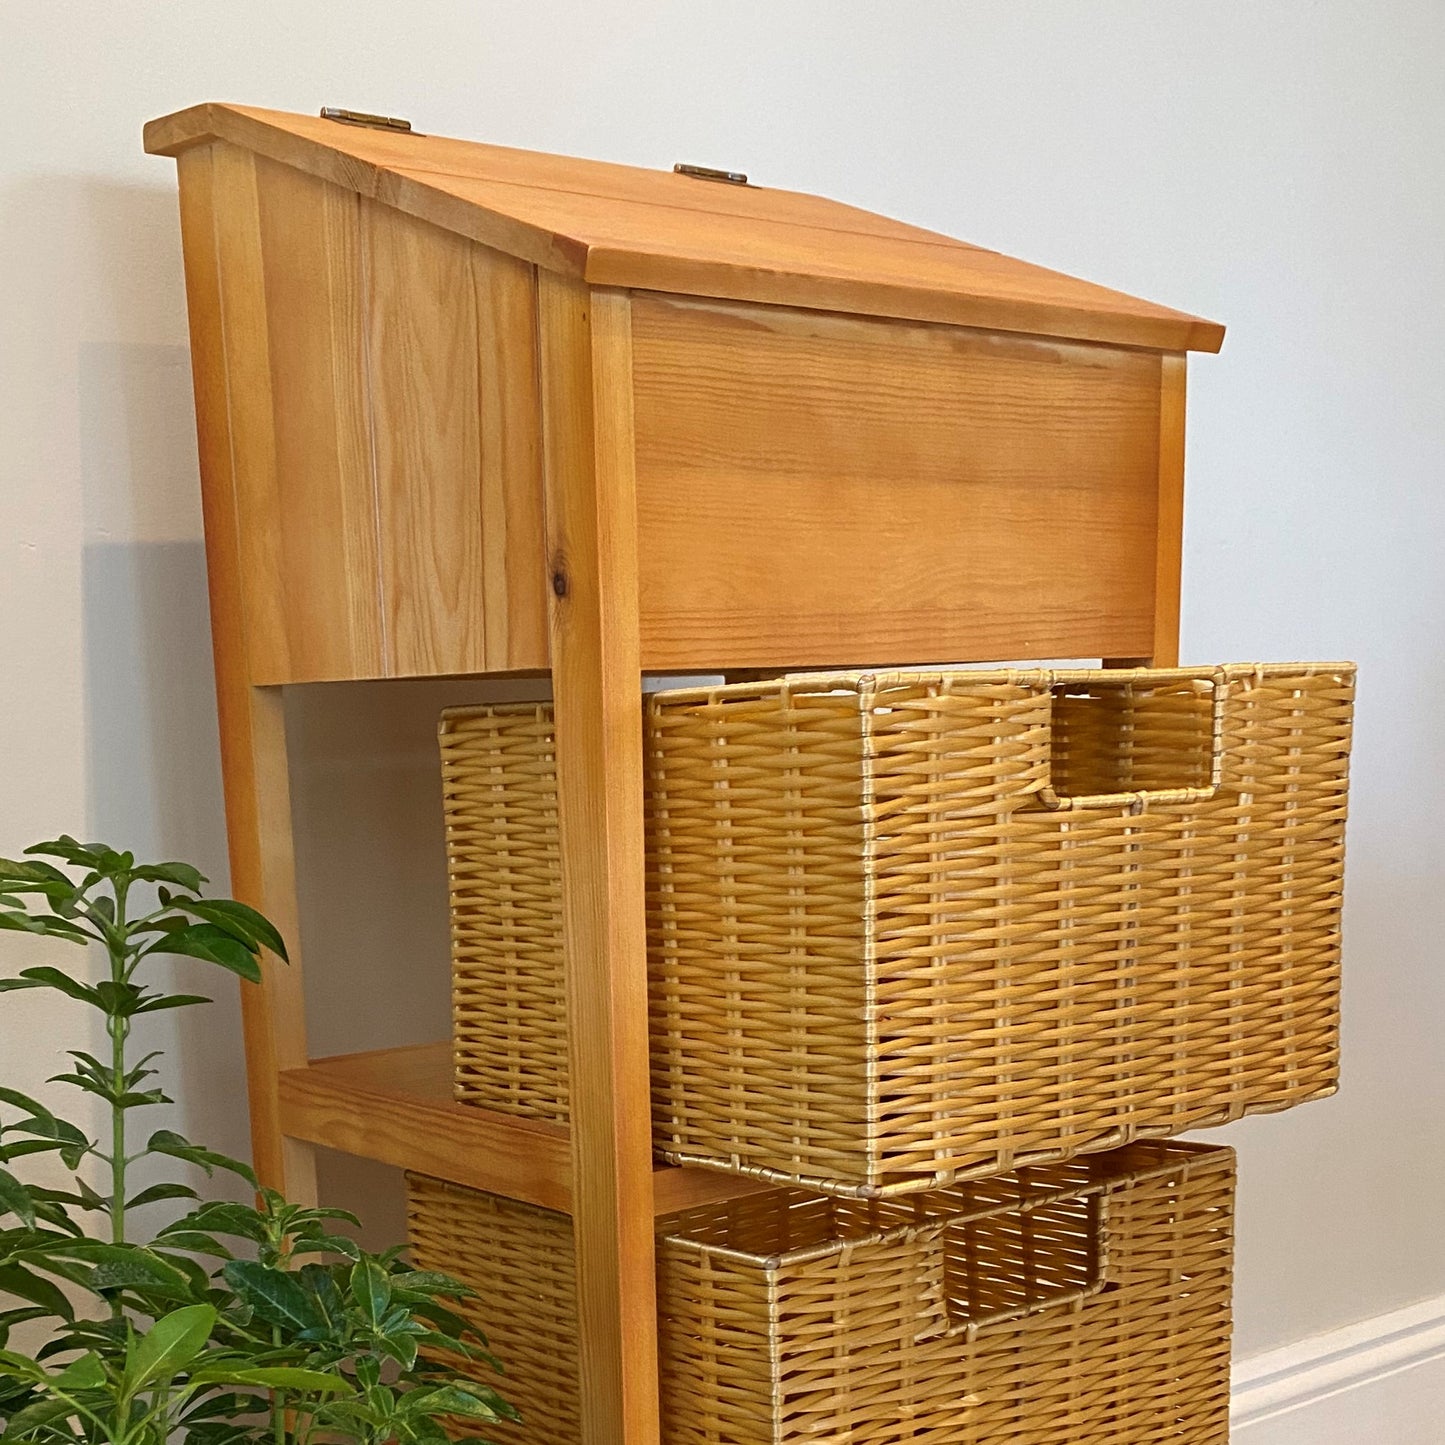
column 278, row 1406
column 117, row 1132
column 119, row 1028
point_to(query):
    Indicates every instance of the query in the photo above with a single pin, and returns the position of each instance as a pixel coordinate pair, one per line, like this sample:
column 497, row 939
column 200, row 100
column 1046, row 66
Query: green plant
column 234, row 1322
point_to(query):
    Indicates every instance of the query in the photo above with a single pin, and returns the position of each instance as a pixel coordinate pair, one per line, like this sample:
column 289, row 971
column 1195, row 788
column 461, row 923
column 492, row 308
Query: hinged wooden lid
column 614, row 225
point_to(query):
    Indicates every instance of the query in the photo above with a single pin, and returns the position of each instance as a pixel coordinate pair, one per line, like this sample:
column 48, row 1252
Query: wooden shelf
column 396, row 1106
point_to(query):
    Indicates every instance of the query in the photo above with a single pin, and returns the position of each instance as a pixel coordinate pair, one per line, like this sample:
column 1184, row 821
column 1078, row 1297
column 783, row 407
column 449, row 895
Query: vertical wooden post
column 1170, row 527
column 1169, row 519
column 585, row 353
column 252, row 721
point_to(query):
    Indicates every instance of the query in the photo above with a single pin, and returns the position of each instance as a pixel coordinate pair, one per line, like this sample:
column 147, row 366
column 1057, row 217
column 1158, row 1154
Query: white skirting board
column 1380, row 1382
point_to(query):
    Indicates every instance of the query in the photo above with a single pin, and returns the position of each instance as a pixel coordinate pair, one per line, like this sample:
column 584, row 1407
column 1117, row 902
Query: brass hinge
column 360, row 117
column 706, row 173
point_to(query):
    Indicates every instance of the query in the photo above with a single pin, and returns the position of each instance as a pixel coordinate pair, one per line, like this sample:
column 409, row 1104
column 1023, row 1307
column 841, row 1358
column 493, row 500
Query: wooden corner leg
column 253, row 728
column 263, row 874
column 585, row 361
column 258, row 826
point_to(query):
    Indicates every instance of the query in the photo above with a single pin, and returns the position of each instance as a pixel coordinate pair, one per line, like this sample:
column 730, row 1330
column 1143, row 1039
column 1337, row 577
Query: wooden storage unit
column 472, row 411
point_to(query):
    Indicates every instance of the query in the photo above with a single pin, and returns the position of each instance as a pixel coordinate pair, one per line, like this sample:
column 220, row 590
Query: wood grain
column 628, row 227
column 384, row 412
column 252, row 725
column 297, row 140
column 819, row 490
column 321, row 606
column 586, row 374
column 453, row 382
column 396, row 1106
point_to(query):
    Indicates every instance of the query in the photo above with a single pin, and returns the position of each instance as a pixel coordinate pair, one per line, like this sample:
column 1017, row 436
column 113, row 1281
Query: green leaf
column 277, row 1377
column 20, row 1316
column 168, row 1346
column 141, row 1099
column 93, row 1200
column 34, row 1418
column 97, row 856
column 194, row 1240
column 457, row 1399
column 196, row 1272
column 42, row 923
column 31, row 1106
column 164, row 1141
column 172, row 1000
column 220, row 1431
column 181, row 874
column 214, row 945
column 401, row 1348
column 311, row 1221
column 73, row 1144
column 54, row 978
column 129, row 1266
column 430, row 1282
column 241, row 921
column 17, row 1280
column 328, row 1244
column 228, row 1218
column 118, row 999
column 320, row 1283
column 276, row 1295
column 107, row 1337
column 444, row 1319
column 72, row 1199
column 372, row 1290
column 86, row 1373
column 15, row 873
column 15, row 1199
column 21, row 1366
column 156, row 1192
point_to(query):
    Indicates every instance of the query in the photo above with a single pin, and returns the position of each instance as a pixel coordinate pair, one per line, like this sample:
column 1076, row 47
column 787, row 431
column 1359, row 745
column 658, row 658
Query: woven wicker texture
column 509, row 1018
column 860, row 1323
column 912, row 928
column 521, row 1262
column 1068, row 1304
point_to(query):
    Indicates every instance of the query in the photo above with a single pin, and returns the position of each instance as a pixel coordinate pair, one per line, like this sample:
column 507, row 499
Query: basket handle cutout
column 1005, row 1268
column 1136, row 801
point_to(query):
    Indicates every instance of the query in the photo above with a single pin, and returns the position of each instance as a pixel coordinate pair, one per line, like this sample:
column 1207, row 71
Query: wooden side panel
column 451, row 333
column 319, row 611
column 585, row 354
column 817, row 490
column 217, row 182
column 388, row 477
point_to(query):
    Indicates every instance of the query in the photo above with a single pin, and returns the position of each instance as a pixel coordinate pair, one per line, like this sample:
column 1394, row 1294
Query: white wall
column 1275, row 166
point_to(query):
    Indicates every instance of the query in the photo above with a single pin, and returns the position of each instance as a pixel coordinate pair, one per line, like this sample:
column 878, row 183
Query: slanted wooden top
column 614, row 225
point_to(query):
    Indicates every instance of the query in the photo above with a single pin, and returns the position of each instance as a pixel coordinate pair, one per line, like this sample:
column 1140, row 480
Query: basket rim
column 462, row 712
column 864, row 682
column 1175, row 1157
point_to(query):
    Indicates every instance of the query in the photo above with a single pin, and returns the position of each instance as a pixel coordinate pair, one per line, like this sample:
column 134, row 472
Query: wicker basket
column 1085, row 1303
column 521, row 1262
column 912, row 928
column 509, row 1013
